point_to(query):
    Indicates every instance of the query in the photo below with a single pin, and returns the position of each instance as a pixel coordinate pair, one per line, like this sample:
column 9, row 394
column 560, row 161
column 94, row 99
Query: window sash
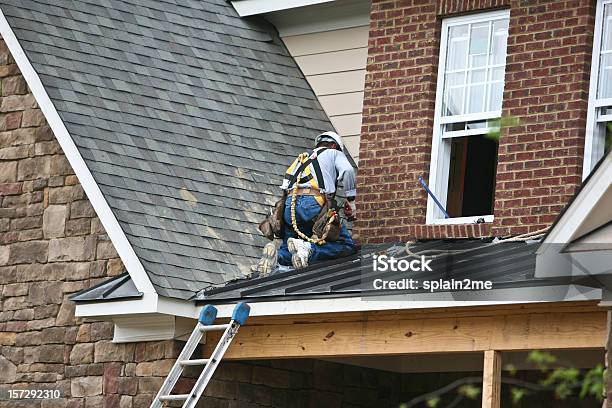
column 440, row 153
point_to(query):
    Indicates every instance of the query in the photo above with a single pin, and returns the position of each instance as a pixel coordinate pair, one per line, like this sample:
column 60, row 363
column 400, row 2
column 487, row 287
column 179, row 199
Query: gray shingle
column 186, row 115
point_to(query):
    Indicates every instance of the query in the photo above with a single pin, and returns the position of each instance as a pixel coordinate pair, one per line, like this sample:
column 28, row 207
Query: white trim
column 148, row 303
column 565, row 230
column 326, row 17
column 246, row 8
column 593, row 144
column 144, row 328
column 462, row 220
column 103, row 210
column 469, row 132
column 440, row 150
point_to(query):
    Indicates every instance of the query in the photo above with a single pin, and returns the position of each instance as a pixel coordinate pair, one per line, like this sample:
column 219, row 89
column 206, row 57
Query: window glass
column 474, row 69
column 605, row 60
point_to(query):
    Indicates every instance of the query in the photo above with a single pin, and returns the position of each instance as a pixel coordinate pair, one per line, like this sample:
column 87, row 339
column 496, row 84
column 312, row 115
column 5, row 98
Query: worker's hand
column 350, row 210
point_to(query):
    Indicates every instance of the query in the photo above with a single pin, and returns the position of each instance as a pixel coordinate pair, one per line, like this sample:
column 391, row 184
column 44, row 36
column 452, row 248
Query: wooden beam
column 491, row 379
column 407, row 333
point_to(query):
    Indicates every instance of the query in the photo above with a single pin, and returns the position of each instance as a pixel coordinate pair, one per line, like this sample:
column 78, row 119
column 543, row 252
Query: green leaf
column 517, row 394
column 469, row 391
column 433, row 402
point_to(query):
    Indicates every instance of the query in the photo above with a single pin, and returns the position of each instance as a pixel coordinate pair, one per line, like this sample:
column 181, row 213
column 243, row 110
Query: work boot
column 268, row 261
column 300, row 252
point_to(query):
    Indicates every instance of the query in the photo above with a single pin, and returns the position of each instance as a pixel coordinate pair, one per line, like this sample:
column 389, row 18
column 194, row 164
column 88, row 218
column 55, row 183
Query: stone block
column 49, row 353
column 127, row 385
column 59, row 166
column 45, row 293
column 43, row 133
column 32, row 117
column 101, row 331
column 14, row 85
column 9, row 121
column 111, row 376
column 83, row 334
column 106, row 250
column 86, row 386
column 63, row 195
column 15, row 289
column 14, row 103
column 25, row 223
column 47, row 148
column 33, row 168
column 65, row 316
column 72, row 249
column 81, row 208
column 28, row 252
column 114, row 266
column 8, row 172
column 105, row 351
column 15, row 152
column 271, row 377
column 7, row 339
column 149, row 385
column 24, row 314
column 80, row 226
column 8, row 370
column 54, row 221
column 82, row 353
column 125, row 401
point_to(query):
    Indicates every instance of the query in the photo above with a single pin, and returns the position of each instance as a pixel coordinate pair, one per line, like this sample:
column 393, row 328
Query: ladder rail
column 214, row 360
column 177, row 368
column 205, row 324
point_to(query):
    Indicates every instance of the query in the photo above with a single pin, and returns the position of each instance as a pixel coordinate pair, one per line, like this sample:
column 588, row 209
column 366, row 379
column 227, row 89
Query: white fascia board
column 566, row 227
column 149, row 303
column 361, row 304
column 91, row 188
column 246, row 8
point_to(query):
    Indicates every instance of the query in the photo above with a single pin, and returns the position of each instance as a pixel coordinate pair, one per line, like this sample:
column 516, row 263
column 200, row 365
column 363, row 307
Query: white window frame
column 440, row 152
column 594, row 142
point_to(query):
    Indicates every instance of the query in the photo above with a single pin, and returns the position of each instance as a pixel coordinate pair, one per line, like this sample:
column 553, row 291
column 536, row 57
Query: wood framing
column 548, row 326
column 491, row 379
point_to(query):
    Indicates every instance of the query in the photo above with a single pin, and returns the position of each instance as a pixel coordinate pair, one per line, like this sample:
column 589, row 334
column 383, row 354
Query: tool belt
column 312, row 192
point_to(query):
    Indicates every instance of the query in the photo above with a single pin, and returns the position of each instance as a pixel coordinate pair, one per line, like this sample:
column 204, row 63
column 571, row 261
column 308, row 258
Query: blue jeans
column 306, row 209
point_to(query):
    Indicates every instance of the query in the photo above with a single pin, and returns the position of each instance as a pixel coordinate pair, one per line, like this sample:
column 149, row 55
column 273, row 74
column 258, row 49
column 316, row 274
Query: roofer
column 306, row 217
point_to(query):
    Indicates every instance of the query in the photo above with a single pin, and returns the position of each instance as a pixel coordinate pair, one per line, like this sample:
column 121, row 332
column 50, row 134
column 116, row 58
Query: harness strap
column 293, row 177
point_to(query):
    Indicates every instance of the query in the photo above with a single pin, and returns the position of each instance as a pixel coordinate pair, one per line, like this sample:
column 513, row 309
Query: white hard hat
column 330, row 137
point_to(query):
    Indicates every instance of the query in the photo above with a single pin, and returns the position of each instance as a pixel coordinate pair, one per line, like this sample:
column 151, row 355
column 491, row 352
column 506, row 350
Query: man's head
column 329, row 139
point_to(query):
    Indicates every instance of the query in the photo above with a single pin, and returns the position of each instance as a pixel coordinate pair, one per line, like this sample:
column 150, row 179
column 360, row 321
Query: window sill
column 461, row 220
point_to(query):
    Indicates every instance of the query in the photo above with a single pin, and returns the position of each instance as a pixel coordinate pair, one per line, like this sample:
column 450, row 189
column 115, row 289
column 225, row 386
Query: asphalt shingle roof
column 185, row 114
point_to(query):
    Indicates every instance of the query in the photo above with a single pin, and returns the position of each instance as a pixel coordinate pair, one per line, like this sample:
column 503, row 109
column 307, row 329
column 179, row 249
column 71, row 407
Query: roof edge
column 94, row 194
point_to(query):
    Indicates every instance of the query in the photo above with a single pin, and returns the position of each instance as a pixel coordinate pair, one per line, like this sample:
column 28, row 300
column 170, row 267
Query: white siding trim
column 246, row 8
column 103, row 210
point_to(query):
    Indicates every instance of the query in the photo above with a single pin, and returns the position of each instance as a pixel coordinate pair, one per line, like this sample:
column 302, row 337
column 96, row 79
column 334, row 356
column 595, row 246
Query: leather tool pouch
column 321, row 222
column 272, row 226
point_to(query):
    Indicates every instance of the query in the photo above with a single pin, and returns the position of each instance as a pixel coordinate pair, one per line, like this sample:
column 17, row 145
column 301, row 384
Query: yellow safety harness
column 294, row 174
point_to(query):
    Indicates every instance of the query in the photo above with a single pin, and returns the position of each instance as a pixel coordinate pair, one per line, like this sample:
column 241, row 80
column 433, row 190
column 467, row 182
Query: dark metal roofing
column 506, row 264
column 118, row 288
column 186, row 116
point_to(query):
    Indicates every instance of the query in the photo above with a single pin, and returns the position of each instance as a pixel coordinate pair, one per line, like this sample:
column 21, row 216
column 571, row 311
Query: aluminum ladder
column 205, row 324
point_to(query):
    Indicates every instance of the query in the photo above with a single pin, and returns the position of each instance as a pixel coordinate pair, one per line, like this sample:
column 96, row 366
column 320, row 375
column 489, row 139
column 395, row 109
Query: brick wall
column 546, row 88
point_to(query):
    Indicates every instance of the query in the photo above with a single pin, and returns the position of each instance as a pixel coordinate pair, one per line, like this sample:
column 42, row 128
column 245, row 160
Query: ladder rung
column 174, row 397
column 214, row 327
column 198, row 361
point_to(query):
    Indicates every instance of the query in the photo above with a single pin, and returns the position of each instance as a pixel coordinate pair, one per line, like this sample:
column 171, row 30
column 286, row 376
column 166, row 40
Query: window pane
column 476, row 99
column 496, row 95
column 454, row 103
column 606, row 41
column 499, row 40
column 476, row 57
column 479, row 39
column 605, row 77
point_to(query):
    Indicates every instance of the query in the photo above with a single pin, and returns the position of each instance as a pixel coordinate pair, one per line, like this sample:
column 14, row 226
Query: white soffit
column 246, row 8
column 330, row 16
column 103, row 210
